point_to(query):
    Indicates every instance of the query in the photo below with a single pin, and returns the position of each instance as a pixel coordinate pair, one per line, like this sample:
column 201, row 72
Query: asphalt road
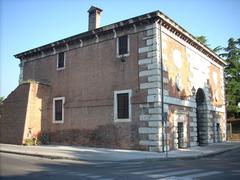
column 225, row 166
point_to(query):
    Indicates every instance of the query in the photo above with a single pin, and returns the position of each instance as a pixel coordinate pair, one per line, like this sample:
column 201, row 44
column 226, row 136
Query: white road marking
column 175, row 178
column 127, row 166
column 129, row 163
column 152, row 171
column 94, row 177
column 174, row 173
column 202, row 174
column 82, row 174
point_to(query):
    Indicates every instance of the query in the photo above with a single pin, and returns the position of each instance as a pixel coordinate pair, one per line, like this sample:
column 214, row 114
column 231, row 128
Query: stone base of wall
column 123, row 136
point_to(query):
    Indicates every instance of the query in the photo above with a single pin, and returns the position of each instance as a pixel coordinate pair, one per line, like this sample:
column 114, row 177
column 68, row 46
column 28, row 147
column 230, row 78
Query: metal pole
column 164, row 116
column 162, row 103
column 166, row 130
column 165, row 120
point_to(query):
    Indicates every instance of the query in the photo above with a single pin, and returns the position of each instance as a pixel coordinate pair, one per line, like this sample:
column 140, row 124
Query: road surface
column 224, row 166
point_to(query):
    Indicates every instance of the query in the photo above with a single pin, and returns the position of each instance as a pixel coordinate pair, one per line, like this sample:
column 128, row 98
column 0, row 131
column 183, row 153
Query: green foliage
column 31, row 142
column 232, row 77
column 217, row 49
column 44, row 139
column 232, row 73
column 40, row 139
column 202, row 39
column 1, row 99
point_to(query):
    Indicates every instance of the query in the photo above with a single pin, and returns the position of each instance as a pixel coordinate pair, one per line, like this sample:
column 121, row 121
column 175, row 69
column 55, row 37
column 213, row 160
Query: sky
column 27, row 24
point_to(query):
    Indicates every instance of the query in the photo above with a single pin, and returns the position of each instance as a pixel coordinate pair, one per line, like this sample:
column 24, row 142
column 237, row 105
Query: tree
column 203, row 40
column 232, row 73
column 1, row 99
column 217, row 49
column 232, row 77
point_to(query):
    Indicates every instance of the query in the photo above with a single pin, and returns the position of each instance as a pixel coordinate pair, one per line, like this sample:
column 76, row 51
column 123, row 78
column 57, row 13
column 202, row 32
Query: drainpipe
column 162, row 99
column 225, row 104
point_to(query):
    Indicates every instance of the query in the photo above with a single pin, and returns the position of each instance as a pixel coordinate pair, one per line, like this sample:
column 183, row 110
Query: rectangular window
column 61, row 61
column 123, row 46
column 122, row 106
column 58, row 109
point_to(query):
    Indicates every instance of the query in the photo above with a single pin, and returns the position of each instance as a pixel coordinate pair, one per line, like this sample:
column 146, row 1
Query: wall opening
column 202, row 124
column 180, row 135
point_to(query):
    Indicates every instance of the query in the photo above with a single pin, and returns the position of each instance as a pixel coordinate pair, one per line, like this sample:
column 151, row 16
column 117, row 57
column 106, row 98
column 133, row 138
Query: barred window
column 61, row 61
column 122, row 105
column 123, row 45
column 58, row 109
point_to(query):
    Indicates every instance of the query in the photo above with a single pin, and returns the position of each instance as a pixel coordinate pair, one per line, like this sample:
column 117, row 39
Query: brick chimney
column 94, row 18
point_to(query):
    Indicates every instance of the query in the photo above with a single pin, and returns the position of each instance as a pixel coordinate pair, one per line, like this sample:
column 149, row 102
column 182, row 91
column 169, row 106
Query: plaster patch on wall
column 177, row 57
column 214, row 76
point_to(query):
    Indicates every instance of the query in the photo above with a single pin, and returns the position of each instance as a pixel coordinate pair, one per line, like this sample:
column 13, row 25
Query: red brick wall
column 13, row 115
column 22, row 110
column 88, row 83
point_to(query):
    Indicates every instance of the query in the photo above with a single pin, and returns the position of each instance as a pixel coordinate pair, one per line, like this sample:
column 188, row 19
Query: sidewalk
column 102, row 154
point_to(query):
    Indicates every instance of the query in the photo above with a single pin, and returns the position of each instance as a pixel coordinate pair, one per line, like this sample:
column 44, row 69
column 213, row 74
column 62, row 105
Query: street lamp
column 123, row 58
column 193, row 90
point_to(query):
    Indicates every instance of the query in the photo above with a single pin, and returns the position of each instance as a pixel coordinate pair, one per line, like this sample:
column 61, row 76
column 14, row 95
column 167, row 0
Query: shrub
column 44, row 139
column 31, row 141
column 40, row 139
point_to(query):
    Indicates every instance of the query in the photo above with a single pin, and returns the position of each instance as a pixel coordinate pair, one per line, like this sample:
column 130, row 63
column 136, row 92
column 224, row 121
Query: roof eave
column 126, row 22
column 151, row 15
column 189, row 35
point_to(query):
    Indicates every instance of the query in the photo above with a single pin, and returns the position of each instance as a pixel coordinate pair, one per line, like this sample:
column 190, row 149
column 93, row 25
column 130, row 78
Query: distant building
column 112, row 86
column 233, row 129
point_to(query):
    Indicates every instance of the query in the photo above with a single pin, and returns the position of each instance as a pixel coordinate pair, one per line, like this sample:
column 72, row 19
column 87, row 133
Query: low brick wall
column 22, row 113
column 13, row 117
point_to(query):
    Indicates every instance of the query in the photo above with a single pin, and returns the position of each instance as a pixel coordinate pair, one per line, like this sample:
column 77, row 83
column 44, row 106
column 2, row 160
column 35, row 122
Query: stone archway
column 202, row 122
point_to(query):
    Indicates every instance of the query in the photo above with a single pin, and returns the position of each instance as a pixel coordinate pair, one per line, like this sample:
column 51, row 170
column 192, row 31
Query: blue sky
column 26, row 24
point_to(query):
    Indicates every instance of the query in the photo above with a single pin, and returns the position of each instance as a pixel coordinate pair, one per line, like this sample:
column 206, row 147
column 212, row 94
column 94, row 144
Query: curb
column 203, row 155
column 143, row 159
column 38, row 155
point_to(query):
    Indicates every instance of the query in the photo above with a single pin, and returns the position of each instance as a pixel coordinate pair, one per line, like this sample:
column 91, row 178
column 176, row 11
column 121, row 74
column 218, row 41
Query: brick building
column 114, row 86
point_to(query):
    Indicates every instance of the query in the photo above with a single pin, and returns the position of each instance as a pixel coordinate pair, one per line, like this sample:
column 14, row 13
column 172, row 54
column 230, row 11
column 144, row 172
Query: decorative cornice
column 189, row 38
column 138, row 20
column 143, row 19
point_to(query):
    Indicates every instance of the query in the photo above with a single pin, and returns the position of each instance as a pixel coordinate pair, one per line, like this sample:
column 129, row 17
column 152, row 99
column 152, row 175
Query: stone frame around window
column 128, row 48
column 116, row 119
column 53, row 115
column 64, row 61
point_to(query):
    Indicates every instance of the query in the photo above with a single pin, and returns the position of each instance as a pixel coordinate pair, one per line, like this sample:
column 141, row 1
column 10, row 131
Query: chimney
column 94, row 18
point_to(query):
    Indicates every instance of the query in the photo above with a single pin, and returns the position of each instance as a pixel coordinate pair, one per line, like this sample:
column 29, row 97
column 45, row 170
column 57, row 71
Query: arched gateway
column 202, row 120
